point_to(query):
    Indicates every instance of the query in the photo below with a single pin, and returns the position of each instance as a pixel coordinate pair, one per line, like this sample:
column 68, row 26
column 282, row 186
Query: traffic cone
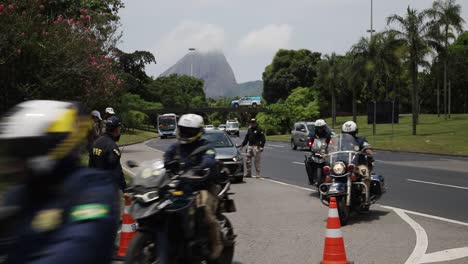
column 128, row 230
column 334, row 250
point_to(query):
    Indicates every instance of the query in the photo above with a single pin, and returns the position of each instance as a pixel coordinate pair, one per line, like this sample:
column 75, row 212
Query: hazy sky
column 249, row 32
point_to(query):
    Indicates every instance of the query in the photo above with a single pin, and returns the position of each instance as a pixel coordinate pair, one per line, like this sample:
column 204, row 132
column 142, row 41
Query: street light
column 191, row 63
column 371, row 31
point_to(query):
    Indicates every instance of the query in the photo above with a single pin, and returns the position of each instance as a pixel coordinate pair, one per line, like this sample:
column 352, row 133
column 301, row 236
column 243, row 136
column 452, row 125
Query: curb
column 139, row 142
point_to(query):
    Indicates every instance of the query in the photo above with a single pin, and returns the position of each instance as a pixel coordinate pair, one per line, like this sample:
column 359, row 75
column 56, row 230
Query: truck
column 249, row 101
column 232, row 127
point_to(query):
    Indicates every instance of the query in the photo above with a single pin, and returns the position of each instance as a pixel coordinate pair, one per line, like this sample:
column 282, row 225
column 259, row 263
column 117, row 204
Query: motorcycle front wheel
column 141, row 250
column 343, row 210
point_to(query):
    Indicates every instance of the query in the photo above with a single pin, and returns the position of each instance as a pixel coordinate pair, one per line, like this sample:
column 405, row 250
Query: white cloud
column 188, row 34
column 270, row 38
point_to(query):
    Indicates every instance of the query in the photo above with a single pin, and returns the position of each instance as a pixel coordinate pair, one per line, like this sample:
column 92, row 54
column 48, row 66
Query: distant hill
column 212, row 67
column 253, row 88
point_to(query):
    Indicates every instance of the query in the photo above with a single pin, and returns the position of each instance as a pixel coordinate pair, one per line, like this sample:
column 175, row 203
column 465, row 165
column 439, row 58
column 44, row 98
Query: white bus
column 167, row 125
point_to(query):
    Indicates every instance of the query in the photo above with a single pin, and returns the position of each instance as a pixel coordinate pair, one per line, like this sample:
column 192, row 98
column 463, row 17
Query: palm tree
column 447, row 19
column 414, row 31
column 328, row 70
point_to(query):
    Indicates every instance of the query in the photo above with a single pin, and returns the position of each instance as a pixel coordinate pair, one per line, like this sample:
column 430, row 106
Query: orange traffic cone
column 334, row 250
column 127, row 232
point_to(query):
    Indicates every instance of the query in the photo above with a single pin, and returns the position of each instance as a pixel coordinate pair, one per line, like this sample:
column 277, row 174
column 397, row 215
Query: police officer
column 255, row 138
column 109, row 112
column 106, row 153
column 196, row 153
column 60, row 212
column 97, row 130
column 321, row 130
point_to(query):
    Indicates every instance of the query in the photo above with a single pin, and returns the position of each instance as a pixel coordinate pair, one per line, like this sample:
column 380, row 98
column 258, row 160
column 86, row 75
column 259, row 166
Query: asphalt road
column 430, row 184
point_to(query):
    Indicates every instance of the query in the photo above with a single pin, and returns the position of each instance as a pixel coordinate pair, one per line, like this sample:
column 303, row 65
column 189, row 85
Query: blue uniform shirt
column 74, row 222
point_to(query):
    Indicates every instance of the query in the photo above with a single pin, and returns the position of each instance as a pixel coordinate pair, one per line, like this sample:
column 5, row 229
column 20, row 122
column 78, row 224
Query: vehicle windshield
column 232, row 125
column 343, row 147
column 319, row 145
column 310, row 127
column 218, row 140
column 167, row 122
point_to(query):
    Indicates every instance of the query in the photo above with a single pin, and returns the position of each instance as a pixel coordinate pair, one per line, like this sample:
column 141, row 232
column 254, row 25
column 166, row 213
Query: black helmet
column 112, row 123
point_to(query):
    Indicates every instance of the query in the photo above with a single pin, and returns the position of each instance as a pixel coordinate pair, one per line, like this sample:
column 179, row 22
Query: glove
column 260, row 149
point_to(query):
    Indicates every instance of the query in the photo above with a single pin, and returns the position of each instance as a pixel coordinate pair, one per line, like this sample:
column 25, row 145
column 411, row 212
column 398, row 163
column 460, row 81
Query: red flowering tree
column 58, row 50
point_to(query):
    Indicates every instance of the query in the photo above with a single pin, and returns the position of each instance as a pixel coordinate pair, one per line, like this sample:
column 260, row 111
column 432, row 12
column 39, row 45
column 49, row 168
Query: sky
column 249, row 32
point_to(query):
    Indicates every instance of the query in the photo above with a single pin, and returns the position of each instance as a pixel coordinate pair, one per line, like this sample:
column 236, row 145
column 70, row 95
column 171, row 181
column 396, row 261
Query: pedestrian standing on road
column 255, row 139
column 96, row 131
column 59, row 212
column 106, row 153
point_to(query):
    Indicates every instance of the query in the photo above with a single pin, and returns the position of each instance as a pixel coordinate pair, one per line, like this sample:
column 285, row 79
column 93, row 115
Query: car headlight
column 339, row 168
column 237, row 158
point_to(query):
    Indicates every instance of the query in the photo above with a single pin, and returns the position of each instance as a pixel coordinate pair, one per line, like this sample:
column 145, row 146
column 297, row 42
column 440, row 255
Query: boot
column 217, row 245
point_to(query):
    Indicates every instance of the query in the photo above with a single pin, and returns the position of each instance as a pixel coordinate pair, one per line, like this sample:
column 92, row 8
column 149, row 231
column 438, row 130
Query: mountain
column 212, row 67
column 254, row 88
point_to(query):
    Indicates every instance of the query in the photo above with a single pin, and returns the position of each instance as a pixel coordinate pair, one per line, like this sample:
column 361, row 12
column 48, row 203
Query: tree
column 414, row 31
column 446, row 14
column 458, row 63
column 290, row 69
column 177, row 91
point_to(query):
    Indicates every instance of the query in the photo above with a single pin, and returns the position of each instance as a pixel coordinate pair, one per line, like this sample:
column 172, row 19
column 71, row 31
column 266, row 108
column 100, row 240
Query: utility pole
column 371, row 31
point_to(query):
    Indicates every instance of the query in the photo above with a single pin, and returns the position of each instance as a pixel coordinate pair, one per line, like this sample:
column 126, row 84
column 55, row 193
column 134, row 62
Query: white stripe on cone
column 129, row 228
column 333, row 233
column 333, row 213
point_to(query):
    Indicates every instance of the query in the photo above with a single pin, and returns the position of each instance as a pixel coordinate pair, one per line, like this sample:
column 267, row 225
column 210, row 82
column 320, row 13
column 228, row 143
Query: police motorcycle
column 315, row 162
column 343, row 178
column 171, row 229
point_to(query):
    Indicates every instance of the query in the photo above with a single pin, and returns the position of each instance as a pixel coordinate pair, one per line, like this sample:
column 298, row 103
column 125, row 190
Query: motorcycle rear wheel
column 141, row 250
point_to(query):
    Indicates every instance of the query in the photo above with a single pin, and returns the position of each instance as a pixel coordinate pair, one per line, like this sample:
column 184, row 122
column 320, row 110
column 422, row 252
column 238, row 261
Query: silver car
column 300, row 135
column 227, row 153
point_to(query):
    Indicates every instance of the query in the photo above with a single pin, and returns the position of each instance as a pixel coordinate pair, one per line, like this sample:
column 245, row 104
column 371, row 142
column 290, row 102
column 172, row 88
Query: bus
column 167, row 125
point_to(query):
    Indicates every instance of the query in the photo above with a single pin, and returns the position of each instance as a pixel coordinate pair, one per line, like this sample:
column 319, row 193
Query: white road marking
column 276, row 146
column 290, row 185
column 422, row 241
column 439, row 184
column 445, row 255
column 298, row 163
column 154, row 149
column 427, row 215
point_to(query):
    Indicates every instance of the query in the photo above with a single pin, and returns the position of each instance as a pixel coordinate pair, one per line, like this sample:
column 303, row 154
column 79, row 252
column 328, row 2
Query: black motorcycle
column 315, row 162
column 171, row 229
column 344, row 172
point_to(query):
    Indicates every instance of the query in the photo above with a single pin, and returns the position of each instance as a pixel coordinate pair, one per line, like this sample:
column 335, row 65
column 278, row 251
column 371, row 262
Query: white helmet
column 349, row 127
column 320, row 123
column 96, row 113
column 190, row 128
column 110, row 110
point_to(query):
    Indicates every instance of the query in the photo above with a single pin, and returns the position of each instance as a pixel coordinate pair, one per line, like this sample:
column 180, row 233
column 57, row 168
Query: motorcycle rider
column 59, row 212
column 106, row 154
column 365, row 160
column 196, row 153
column 321, row 130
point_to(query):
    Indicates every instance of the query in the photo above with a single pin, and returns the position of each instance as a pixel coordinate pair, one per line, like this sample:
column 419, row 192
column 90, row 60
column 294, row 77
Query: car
column 222, row 127
column 232, row 127
column 227, row 153
column 301, row 135
column 252, row 101
column 209, row 127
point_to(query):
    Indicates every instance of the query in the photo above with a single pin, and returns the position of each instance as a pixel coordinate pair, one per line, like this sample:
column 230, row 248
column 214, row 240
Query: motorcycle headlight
column 339, row 168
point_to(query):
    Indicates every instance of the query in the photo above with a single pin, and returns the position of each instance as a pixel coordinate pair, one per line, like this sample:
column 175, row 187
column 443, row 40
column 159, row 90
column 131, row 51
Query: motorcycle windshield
column 319, row 145
column 342, row 147
column 152, row 174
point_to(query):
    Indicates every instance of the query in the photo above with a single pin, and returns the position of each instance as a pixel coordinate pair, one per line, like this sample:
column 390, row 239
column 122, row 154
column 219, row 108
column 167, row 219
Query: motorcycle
column 343, row 178
column 171, row 229
column 316, row 161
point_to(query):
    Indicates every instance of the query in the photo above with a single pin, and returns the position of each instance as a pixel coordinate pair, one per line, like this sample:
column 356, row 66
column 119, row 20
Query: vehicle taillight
column 326, row 170
column 350, row 168
column 328, row 179
column 353, row 177
column 309, row 143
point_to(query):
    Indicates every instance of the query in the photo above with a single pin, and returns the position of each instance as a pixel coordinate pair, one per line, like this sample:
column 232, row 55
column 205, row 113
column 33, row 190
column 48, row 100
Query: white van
column 232, row 127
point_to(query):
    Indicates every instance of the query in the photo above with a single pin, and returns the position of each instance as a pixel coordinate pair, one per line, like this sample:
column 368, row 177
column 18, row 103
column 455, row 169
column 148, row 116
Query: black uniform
column 326, row 133
column 106, row 156
column 255, row 137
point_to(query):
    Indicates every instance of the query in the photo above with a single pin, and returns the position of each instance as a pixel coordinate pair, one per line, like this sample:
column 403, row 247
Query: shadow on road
column 373, row 215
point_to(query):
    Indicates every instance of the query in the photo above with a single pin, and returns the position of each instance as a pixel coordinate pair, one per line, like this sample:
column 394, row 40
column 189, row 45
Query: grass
column 434, row 134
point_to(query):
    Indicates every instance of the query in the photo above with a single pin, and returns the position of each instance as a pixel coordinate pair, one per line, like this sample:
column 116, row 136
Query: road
column 421, row 219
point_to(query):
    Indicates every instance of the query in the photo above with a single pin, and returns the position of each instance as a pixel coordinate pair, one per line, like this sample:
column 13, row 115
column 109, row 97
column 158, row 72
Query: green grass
column 434, row 134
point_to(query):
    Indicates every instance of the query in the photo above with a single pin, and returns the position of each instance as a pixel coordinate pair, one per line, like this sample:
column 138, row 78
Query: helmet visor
column 189, row 134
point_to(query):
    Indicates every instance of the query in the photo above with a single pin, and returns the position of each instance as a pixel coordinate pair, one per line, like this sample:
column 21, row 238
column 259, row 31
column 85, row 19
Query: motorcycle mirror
column 132, row 164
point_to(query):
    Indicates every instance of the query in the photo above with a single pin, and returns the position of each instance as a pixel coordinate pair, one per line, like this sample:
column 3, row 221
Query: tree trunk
column 354, row 103
column 371, row 86
column 464, row 101
column 414, row 97
column 438, row 98
column 449, row 99
column 333, row 105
